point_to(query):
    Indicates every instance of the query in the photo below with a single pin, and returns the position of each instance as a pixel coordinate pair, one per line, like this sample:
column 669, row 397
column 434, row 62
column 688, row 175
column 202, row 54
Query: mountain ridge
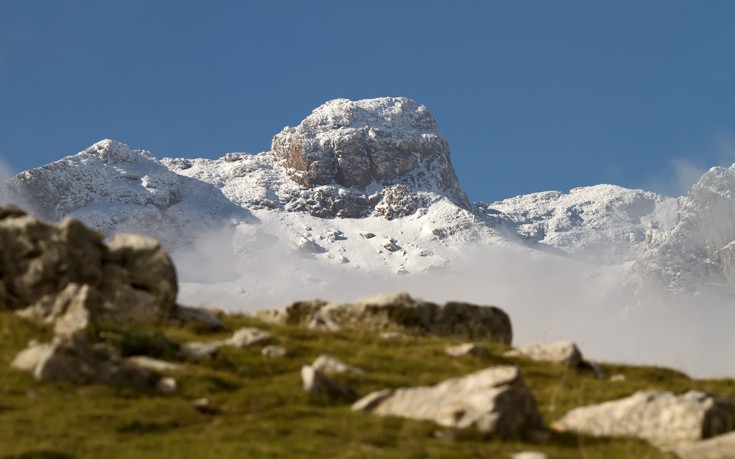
column 330, row 175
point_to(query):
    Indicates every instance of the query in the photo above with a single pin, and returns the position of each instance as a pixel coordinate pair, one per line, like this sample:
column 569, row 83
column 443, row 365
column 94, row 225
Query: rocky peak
column 112, row 151
column 385, row 141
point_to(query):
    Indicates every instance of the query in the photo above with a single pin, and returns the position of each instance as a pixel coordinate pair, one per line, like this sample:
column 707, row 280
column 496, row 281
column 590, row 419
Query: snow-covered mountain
column 369, row 185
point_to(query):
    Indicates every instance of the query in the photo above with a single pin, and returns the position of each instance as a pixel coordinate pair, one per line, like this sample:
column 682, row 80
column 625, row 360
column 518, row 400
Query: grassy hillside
column 261, row 410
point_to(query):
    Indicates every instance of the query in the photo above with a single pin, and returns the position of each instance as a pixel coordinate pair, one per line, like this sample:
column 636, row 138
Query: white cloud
column 547, row 297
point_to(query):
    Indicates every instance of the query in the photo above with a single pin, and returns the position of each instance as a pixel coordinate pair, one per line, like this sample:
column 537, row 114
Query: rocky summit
column 386, row 141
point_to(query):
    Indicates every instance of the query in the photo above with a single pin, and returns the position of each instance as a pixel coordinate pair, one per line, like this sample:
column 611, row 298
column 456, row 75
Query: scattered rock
column 659, row 417
column 328, row 364
column 391, row 245
column 199, row 351
column 529, row 455
column 394, row 336
column 315, row 382
column 74, row 360
column 205, row 407
column 167, row 386
column 65, row 273
column 461, row 320
column 617, row 378
column 476, row 349
column 494, row 401
column 563, row 352
column 246, row 337
column 274, row 351
column 367, row 235
column 720, row 447
column 149, row 363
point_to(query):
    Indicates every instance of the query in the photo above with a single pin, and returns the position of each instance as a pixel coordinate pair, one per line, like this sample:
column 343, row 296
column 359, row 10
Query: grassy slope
column 264, row 412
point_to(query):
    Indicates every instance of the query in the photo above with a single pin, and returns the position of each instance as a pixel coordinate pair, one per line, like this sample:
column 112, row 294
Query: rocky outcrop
column 494, row 401
column 66, row 277
column 400, row 311
column 659, row 417
column 698, row 254
column 355, row 144
column 74, row 360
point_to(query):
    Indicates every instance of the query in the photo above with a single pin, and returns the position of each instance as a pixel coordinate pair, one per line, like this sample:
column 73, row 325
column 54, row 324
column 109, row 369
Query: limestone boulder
column 328, row 364
column 662, row 418
column 74, row 360
column 248, row 336
column 400, row 312
column 315, row 382
column 64, row 276
column 563, row 352
column 720, row 447
column 495, row 401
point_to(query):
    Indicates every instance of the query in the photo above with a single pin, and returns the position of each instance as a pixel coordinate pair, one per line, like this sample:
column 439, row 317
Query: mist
column 548, row 297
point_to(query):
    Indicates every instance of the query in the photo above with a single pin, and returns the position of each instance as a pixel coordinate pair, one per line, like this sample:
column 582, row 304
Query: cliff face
column 356, row 144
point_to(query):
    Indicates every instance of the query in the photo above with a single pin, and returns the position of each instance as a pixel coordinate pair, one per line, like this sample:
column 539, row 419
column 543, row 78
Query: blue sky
column 531, row 95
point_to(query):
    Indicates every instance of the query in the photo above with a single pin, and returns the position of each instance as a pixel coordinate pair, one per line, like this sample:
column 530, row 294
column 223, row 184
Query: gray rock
column 659, row 417
column 494, row 401
column 459, row 350
column 198, row 351
column 315, row 382
column 528, row 455
column 563, row 352
column 390, row 141
column 167, row 385
column 149, row 363
column 246, row 337
column 328, row 364
column 274, row 351
column 401, row 311
column 74, row 360
column 66, row 277
column 720, row 447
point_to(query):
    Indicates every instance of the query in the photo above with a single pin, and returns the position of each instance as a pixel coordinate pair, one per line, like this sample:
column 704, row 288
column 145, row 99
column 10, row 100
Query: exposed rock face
column 73, row 360
column 66, row 276
column 357, row 143
column 462, row 320
column 494, row 401
column 698, row 254
column 659, row 417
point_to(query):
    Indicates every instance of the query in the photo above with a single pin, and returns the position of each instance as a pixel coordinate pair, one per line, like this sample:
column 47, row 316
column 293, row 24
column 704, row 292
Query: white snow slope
column 578, row 265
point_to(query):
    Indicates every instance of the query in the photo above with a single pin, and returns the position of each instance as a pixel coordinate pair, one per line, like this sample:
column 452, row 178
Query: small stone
column 529, row 455
column 246, row 337
column 167, row 386
column 329, row 364
column 198, row 351
column 274, row 351
column 315, row 382
column 393, row 336
column 367, row 235
column 203, row 406
column 149, row 363
column 617, row 378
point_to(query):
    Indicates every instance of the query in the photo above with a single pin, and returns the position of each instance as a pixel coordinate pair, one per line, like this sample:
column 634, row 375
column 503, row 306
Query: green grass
column 264, row 412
